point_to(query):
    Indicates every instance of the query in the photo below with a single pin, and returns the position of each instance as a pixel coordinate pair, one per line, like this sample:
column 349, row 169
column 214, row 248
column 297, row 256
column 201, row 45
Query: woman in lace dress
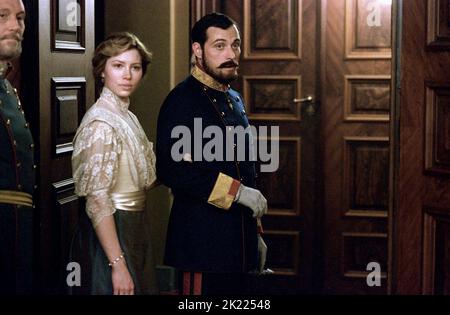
column 113, row 164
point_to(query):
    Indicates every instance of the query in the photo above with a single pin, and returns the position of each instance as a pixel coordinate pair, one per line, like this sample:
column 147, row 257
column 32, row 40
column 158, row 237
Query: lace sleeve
column 152, row 164
column 95, row 164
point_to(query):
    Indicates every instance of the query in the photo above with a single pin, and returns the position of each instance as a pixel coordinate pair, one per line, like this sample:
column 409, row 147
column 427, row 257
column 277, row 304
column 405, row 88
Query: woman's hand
column 121, row 279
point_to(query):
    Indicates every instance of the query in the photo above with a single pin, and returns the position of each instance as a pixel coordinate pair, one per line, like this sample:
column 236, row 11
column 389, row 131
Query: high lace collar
column 209, row 81
column 116, row 100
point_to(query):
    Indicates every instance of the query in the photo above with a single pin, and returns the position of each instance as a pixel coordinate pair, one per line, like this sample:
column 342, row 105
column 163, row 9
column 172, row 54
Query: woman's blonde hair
column 114, row 45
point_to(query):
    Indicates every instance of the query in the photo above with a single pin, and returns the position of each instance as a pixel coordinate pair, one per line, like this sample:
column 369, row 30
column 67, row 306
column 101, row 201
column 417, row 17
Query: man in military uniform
column 17, row 178
column 214, row 232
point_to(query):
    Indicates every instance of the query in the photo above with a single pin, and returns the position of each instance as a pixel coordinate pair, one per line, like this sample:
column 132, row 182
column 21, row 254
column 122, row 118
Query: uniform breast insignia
column 230, row 104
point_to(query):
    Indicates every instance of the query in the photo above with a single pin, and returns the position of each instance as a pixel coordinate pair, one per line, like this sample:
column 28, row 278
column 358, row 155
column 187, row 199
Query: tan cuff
column 224, row 192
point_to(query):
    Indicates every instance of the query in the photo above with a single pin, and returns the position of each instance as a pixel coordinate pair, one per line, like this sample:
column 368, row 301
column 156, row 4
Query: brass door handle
column 309, row 100
column 303, row 100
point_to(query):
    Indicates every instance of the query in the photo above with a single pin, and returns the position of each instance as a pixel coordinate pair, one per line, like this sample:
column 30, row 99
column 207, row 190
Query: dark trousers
column 198, row 283
column 16, row 250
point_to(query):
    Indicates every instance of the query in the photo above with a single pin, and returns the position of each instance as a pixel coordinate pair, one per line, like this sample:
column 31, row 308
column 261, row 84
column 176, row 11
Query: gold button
column 20, row 103
column 23, row 113
column 27, row 125
column 34, row 167
column 19, row 187
column 15, row 90
column 19, row 165
column 223, row 114
column 8, row 122
column 214, row 100
column 15, row 143
column 35, row 186
column 32, row 146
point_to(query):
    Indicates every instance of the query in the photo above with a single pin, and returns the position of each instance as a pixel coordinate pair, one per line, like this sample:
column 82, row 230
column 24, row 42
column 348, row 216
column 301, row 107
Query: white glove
column 252, row 199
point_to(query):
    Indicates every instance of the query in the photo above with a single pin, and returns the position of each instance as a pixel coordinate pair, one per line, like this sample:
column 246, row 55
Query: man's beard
column 10, row 52
column 217, row 75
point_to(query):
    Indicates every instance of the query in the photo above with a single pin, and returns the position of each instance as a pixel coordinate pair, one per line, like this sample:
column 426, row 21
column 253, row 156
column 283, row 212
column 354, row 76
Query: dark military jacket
column 16, row 146
column 16, row 143
column 207, row 231
column 17, row 183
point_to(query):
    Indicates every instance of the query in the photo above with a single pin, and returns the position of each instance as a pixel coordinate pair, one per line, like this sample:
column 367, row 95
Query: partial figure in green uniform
column 17, row 175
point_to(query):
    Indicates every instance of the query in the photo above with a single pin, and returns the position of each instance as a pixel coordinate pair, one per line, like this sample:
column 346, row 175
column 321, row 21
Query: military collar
column 209, row 81
column 5, row 67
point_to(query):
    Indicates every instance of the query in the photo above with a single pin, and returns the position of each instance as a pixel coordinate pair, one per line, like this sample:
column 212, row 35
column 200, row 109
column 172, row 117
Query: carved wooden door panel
column 57, row 86
column 356, row 95
column 422, row 155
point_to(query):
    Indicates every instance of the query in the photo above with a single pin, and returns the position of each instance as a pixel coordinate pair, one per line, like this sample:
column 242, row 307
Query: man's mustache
column 229, row 64
column 17, row 37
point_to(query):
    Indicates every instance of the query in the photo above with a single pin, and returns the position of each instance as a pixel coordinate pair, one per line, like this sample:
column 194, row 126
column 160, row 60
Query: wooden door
column 356, row 94
column 422, row 151
column 57, row 87
column 278, row 67
column 328, row 201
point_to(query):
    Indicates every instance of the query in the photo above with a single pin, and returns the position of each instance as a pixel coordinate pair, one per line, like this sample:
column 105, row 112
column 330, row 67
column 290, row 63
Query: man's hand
column 252, row 199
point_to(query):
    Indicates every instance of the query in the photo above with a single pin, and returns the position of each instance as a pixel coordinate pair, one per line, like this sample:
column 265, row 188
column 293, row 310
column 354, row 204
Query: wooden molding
column 348, row 211
column 68, row 39
column 296, row 114
column 438, row 27
column 350, row 81
column 294, row 52
column 353, row 52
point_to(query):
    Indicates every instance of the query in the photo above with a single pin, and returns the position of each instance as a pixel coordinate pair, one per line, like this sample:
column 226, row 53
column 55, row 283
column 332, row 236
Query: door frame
column 394, row 149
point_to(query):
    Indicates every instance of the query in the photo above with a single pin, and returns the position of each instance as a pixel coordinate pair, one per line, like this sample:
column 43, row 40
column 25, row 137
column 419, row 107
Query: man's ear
column 197, row 50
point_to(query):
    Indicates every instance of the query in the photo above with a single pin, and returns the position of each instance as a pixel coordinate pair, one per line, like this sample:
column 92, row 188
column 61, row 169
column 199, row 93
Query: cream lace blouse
column 111, row 155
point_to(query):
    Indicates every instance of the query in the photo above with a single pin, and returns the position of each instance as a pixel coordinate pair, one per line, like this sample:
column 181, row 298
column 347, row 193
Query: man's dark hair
column 198, row 33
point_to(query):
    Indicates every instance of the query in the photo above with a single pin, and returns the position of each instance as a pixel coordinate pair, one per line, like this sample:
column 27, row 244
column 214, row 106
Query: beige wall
column 163, row 27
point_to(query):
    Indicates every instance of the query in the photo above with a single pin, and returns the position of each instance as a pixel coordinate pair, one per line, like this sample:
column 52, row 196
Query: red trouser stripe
column 198, row 283
column 186, row 283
